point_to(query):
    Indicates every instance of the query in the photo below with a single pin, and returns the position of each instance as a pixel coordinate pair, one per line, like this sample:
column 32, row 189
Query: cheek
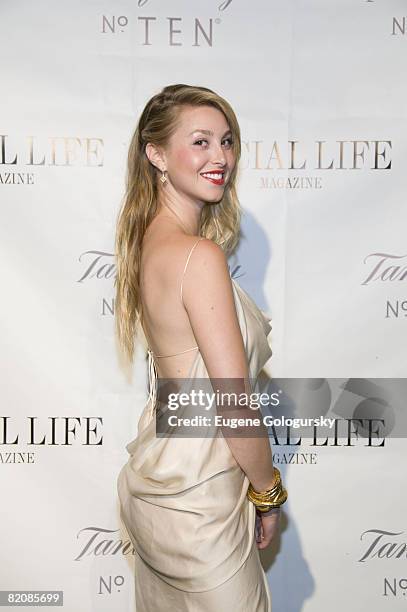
column 188, row 160
column 231, row 159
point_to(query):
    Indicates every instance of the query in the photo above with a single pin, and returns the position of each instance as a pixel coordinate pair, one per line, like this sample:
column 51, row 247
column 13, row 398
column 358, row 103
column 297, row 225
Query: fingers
column 266, row 529
column 265, row 539
column 259, row 530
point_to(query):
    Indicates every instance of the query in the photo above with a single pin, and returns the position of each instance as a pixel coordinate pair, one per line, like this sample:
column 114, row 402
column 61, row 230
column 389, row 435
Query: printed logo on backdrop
column 20, row 155
column 381, row 546
column 97, row 541
column 273, row 159
column 399, row 24
column 20, row 439
column 388, row 268
column 173, row 31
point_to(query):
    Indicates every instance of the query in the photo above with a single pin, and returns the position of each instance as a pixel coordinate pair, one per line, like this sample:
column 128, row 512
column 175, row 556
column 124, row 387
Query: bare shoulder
column 167, row 256
column 207, row 276
column 208, row 259
column 200, row 255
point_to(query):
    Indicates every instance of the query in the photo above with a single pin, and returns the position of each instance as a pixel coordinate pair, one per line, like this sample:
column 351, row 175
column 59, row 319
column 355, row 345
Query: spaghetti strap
column 174, row 354
column 186, row 264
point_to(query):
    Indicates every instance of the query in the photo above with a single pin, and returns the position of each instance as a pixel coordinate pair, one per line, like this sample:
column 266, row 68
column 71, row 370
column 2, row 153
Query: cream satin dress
column 183, row 502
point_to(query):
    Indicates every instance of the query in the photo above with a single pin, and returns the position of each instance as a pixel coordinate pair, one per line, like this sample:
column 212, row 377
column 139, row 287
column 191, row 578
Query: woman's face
column 202, row 144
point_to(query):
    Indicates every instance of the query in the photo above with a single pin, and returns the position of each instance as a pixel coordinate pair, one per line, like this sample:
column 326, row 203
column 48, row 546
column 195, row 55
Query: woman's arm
column 209, row 301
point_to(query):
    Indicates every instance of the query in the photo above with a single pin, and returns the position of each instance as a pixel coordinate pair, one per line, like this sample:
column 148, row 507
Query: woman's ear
column 155, row 157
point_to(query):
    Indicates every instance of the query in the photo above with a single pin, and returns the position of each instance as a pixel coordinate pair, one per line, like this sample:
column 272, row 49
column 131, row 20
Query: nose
column 219, row 160
column 219, row 156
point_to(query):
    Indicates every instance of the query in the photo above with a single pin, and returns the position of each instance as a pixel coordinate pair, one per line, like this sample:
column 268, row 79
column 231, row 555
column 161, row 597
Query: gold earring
column 163, row 178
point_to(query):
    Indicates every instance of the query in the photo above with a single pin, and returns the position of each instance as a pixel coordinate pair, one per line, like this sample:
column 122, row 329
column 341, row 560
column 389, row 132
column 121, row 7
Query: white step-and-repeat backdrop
column 320, row 92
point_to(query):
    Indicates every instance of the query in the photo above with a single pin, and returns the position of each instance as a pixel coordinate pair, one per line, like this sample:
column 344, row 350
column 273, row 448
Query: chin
column 215, row 198
column 212, row 202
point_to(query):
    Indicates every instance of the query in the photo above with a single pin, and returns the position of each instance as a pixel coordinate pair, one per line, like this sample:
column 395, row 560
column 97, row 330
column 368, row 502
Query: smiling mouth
column 218, row 178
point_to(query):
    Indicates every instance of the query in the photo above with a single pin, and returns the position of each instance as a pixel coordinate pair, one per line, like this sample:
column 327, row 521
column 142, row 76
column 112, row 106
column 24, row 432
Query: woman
column 190, row 505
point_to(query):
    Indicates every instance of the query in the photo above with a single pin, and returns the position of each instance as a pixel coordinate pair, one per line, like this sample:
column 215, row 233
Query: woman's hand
column 266, row 527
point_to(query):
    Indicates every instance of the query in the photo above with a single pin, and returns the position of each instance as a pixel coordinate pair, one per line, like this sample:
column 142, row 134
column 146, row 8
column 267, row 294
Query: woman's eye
column 204, row 140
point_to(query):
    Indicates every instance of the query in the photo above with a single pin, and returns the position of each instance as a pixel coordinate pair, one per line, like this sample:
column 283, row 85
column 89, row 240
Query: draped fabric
column 183, row 502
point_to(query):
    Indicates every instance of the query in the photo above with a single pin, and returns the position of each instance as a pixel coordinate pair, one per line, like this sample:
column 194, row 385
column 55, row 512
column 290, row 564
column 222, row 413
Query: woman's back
column 164, row 263
column 188, row 301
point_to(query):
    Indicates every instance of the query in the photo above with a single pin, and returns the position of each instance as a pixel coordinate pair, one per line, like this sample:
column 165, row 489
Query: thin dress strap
column 186, row 264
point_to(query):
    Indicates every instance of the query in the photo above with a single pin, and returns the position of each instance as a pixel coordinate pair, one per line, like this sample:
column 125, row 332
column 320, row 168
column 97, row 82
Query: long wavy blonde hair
column 220, row 222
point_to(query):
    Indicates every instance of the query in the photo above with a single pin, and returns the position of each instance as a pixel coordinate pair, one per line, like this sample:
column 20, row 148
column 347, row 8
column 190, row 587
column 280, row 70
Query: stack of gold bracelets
column 271, row 498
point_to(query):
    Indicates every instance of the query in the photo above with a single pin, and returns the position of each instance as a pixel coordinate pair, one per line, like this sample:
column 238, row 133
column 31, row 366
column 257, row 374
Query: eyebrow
column 209, row 132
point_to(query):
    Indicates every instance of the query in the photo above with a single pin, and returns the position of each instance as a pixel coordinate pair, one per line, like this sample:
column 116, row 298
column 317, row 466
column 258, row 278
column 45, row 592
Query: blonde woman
column 186, row 503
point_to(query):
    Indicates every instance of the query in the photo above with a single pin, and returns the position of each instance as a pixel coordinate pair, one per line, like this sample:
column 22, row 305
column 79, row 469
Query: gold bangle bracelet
column 265, row 505
column 270, row 498
column 276, row 485
column 260, row 495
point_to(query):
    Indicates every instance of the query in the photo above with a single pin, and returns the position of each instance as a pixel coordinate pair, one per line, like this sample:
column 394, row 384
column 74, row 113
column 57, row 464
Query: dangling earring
column 163, row 178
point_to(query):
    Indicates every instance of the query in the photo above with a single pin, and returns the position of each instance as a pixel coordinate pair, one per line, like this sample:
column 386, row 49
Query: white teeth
column 213, row 176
